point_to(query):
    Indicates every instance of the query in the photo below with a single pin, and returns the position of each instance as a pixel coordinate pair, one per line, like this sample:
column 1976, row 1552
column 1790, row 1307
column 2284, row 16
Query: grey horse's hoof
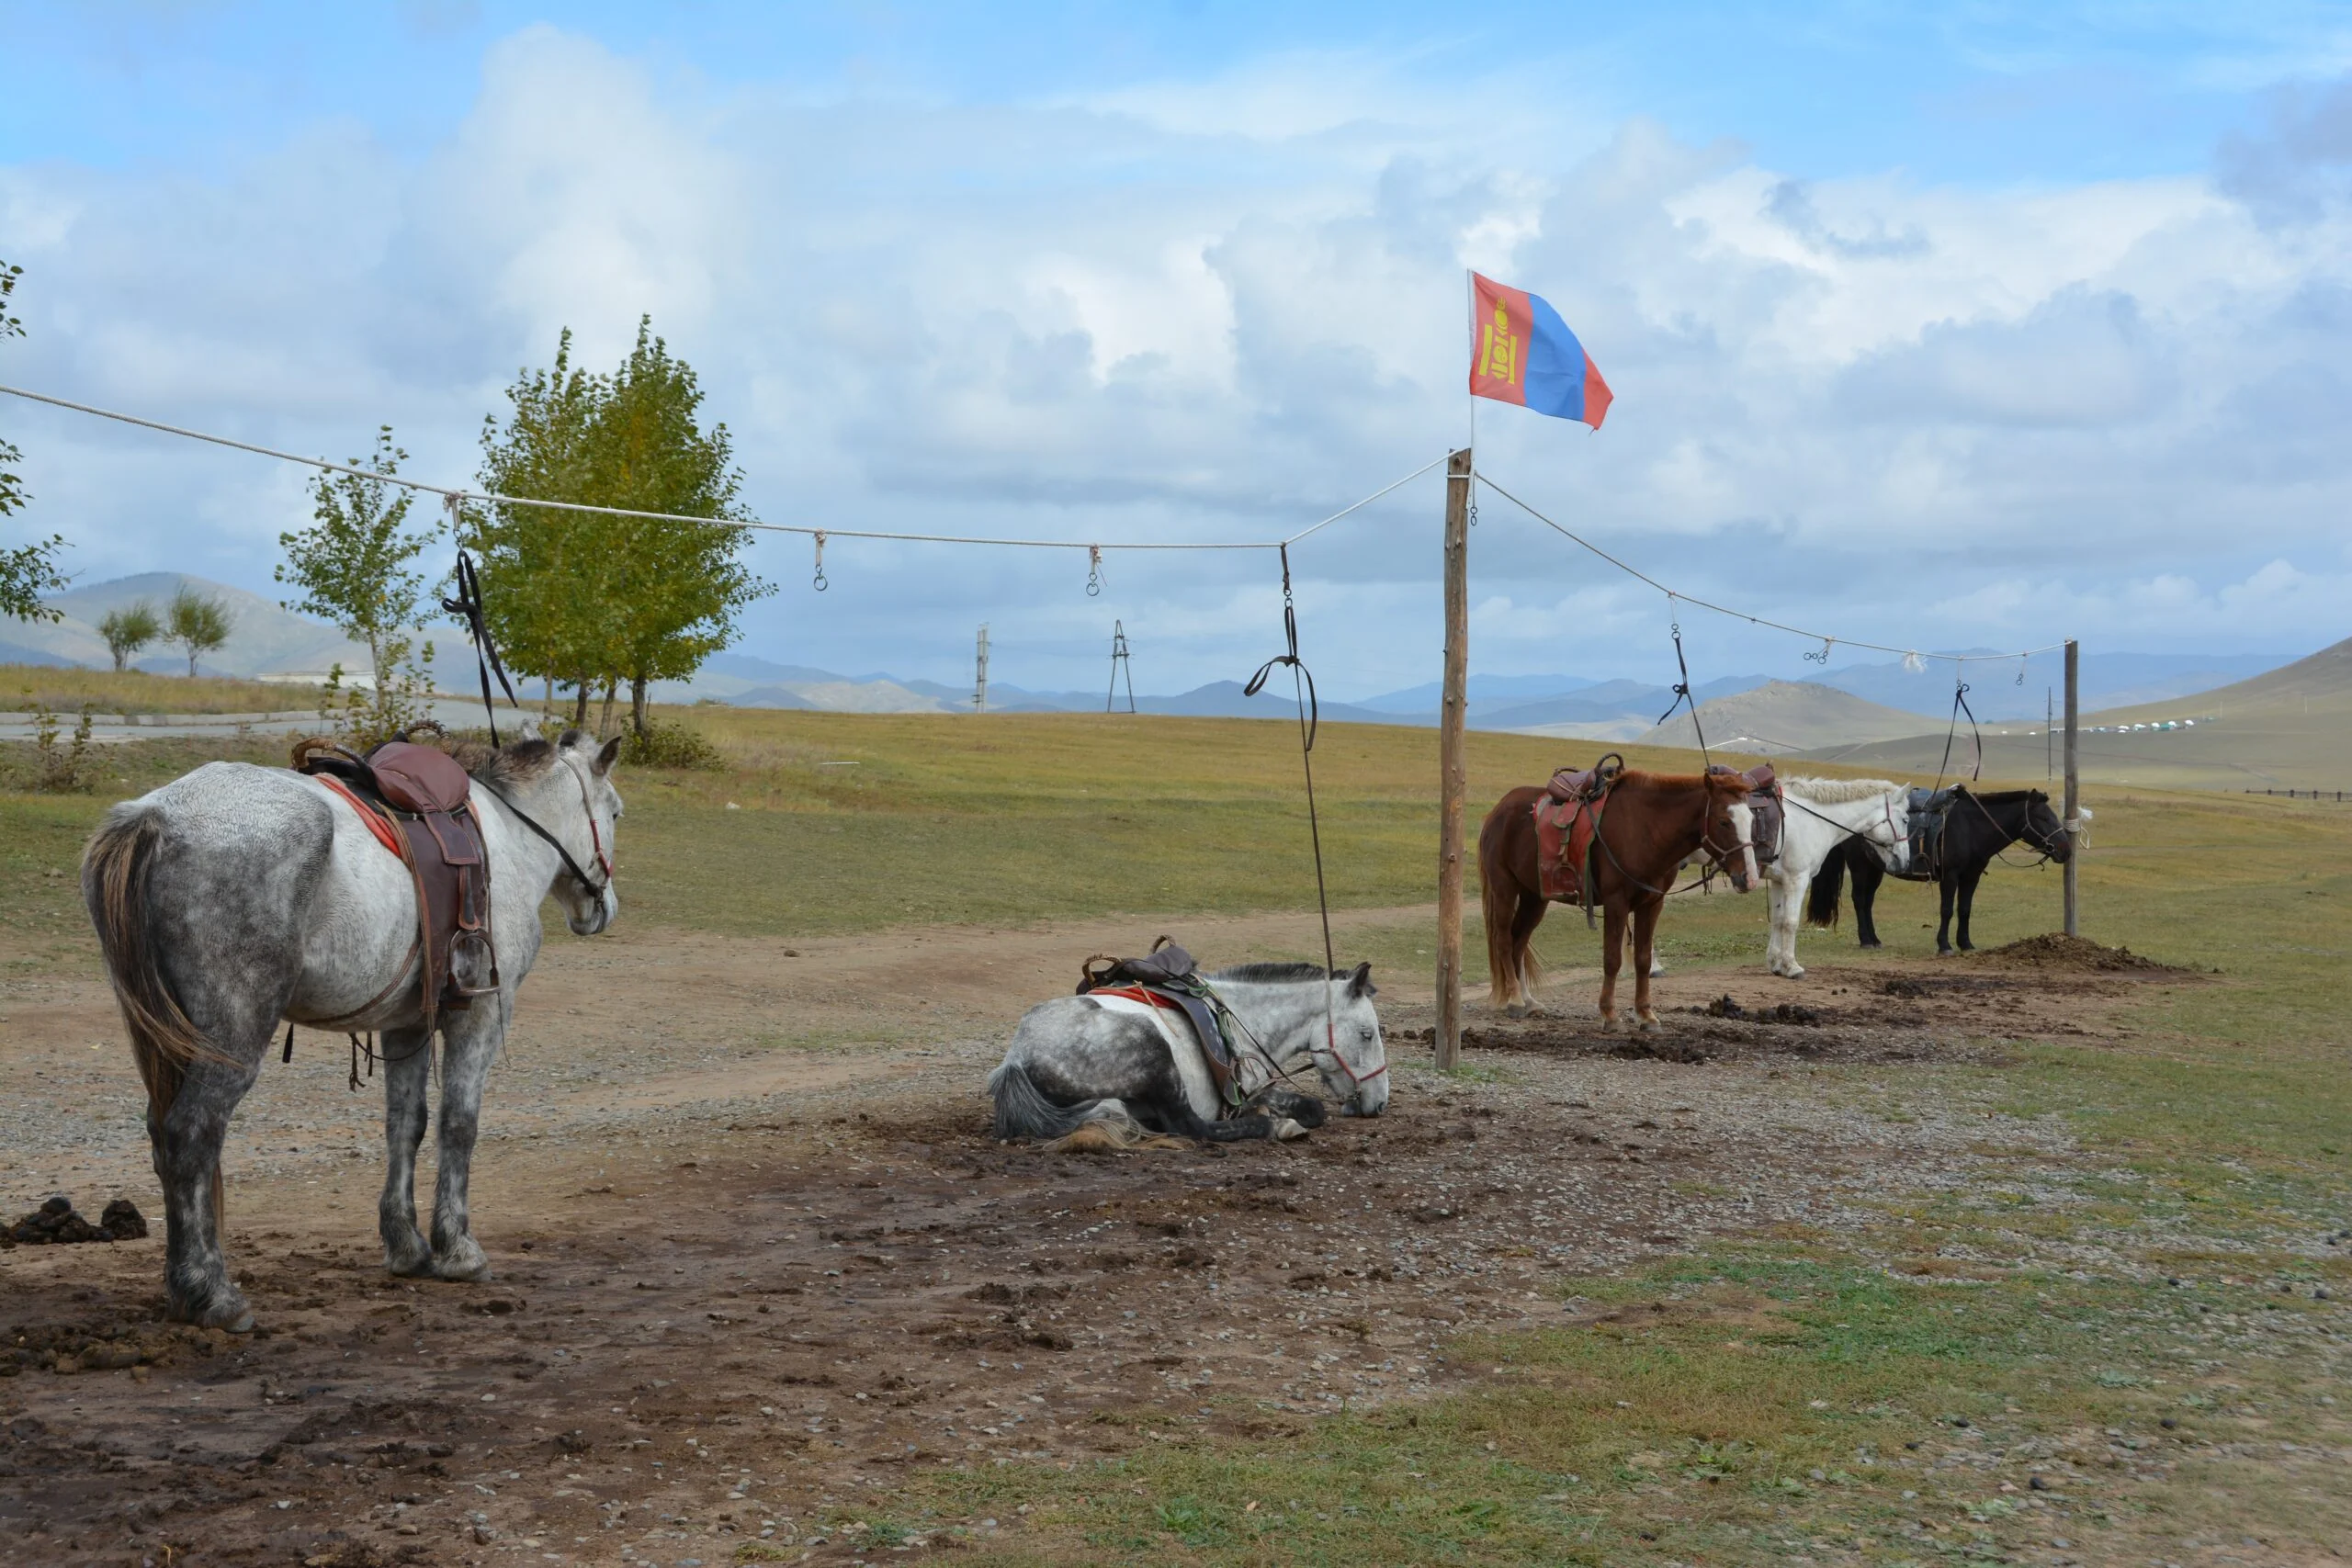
column 1286, row 1129
column 228, row 1312
column 465, row 1262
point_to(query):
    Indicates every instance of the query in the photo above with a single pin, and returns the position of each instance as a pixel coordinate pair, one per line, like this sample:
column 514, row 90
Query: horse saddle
column 1769, row 807
column 1567, row 818
column 1930, row 809
column 1169, row 977
column 418, row 802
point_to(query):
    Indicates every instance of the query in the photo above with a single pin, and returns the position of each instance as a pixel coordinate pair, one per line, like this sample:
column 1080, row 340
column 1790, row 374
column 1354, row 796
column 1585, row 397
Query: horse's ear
column 530, row 730
column 607, row 756
column 570, row 739
column 1360, row 983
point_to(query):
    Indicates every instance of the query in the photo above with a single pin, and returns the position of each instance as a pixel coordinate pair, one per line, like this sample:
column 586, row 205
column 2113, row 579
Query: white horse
column 1821, row 815
column 237, row 895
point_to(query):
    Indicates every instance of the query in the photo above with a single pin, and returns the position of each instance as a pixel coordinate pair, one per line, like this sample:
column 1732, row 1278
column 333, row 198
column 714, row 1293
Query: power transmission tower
column 980, row 673
column 1119, row 666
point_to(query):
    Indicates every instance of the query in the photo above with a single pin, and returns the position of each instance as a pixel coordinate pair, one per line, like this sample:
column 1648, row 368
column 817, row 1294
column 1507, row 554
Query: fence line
column 1673, row 594
column 461, row 495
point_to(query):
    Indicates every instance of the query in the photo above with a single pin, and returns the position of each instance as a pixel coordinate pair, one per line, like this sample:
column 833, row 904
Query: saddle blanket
column 1184, row 1042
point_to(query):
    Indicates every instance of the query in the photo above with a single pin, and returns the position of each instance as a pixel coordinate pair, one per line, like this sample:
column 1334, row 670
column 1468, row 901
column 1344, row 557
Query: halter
column 1330, row 1044
column 595, row 837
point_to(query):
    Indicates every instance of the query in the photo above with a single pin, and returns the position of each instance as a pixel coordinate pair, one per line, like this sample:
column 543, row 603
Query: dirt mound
column 55, row 1223
column 2054, row 950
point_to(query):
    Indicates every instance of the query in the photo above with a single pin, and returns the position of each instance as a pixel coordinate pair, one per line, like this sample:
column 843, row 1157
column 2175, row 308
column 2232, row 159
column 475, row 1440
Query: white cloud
column 1216, row 309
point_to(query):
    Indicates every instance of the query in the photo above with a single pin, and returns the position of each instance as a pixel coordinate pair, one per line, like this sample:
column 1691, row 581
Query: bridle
column 1720, row 859
column 1331, row 1047
column 596, row 836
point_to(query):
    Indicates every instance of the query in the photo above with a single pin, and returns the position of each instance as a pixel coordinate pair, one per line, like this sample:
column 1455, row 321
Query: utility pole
column 2049, row 742
column 980, row 673
column 1119, row 666
column 1453, row 783
column 2074, row 785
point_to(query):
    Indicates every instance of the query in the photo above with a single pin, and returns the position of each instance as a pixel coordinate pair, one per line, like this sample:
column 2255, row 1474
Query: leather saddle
column 1930, row 809
column 1769, row 805
column 1567, row 818
column 418, row 802
column 1170, row 977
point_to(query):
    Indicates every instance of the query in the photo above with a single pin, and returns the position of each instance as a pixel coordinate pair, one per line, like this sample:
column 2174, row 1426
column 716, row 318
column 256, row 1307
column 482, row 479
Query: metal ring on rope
column 819, row 583
column 1093, row 570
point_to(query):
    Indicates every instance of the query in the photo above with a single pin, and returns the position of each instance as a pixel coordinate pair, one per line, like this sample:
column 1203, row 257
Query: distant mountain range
column 267, row 640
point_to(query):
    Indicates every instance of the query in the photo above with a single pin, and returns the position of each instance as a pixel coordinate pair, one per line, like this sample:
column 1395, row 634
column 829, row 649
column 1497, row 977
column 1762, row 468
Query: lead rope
column 1310, row 718
column 1960, row 705
column 467, row 607
column 1682, row 693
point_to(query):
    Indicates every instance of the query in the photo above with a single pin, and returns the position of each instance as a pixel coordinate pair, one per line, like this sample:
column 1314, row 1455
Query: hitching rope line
column 462, row 495
column 1674, row 593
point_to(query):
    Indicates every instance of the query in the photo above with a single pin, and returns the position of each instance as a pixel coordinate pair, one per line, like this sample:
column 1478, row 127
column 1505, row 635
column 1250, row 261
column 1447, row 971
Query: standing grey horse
column 236, row 896
column 1122, row 1068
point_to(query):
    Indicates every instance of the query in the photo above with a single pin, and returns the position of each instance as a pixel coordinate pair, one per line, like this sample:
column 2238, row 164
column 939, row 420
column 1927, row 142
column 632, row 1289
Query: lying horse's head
column 1354, row 1060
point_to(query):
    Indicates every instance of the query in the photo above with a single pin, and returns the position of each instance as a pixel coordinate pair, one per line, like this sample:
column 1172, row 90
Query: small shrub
column 672, row 746
column 65, row 769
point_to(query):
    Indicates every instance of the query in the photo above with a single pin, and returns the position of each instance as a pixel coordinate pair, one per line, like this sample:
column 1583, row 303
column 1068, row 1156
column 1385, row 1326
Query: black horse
column 1976, row 827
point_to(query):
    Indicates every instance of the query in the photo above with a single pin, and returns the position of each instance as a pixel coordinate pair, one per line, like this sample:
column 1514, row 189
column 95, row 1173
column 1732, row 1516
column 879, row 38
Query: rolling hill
column 1783, row 717
column 2287, row 728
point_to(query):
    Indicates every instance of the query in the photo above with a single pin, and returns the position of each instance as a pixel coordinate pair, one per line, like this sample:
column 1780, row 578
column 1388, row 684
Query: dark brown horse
column 1653, row 823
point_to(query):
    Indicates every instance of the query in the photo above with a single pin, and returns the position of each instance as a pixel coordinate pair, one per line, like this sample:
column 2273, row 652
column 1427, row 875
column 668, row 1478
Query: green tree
column 593, row 600
column 26, row 572
column 352, row 566
column 679, row 583
column 128, row 629
column 542, row 569
column 197, row 622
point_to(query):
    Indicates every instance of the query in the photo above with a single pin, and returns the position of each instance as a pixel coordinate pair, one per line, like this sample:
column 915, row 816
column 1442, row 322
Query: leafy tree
column 593, row 600
column 681, row 583
column 128, row 629
column 352, row 565
column 542, row 572
column 197, row 622
column 26, row 572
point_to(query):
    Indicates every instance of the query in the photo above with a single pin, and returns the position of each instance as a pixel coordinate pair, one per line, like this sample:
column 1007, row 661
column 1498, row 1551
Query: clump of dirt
column 2055, row 950
column 1910, row 990
column 56, row 1224
column 1784, row 1012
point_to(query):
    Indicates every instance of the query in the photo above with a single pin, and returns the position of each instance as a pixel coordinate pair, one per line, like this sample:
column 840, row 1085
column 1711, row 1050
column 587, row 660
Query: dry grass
column 137, row 691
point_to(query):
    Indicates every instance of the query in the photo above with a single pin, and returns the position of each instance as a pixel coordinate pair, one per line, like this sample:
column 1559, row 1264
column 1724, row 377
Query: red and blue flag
column 1522, row 353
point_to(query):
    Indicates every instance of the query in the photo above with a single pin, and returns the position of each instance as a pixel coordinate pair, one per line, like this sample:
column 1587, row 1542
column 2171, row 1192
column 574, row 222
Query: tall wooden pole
column 1454, row 780
column 2073, row 784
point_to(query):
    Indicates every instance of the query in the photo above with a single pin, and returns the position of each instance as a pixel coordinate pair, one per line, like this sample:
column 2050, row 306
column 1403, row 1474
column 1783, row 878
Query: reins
column 596, row 836
column 1960, row 705
column 1682, row 690
column 1310, row 719
column 1716, row 858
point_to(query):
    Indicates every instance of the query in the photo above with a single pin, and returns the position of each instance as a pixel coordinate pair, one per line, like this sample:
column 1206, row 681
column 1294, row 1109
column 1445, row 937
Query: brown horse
column 1653, row 823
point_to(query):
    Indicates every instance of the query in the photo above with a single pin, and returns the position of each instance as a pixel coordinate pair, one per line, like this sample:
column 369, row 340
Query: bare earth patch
column 757, row 1258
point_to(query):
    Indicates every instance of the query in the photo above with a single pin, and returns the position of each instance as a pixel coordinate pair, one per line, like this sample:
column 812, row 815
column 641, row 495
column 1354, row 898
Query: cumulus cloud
column 1220, row 310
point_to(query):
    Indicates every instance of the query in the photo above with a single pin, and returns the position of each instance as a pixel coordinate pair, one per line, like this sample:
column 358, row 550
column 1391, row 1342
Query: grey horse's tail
column 1023, row 1112
column 1828, row 888
column 116, row 870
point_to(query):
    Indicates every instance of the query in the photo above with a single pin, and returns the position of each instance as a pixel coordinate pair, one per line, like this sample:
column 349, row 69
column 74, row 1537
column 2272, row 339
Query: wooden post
column 2073, row 784
column 1454, row 782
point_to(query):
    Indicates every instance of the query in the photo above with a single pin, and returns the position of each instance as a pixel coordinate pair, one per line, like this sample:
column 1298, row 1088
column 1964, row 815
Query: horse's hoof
column 1608, row 1023
column 1794, row 972
column 1649, row 1021
column 410, row 1262
column 1518, row 1009
column 227, row 1312
column 1286, row 1129
column 464, row 1263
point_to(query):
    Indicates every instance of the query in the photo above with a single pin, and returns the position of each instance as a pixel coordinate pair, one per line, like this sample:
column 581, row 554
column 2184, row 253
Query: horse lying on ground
column 1822, row 816
column 1975, row 829
column 1646, row 824
column 1109, row 1071
column 236, row 896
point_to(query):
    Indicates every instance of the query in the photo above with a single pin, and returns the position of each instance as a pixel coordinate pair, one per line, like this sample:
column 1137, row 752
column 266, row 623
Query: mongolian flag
column 1522, row 353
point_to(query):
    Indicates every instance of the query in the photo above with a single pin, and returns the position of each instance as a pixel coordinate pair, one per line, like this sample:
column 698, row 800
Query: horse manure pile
column 1784, row 1012
column 56, row 1224
column 2055, row 950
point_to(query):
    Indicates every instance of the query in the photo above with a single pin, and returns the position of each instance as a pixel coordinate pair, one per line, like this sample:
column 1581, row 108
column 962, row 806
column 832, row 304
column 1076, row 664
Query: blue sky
column 1975, row 325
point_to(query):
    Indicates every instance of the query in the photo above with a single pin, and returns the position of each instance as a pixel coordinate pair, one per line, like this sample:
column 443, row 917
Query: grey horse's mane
column 1273, row 974
column 512, row 764
column 1837, row 792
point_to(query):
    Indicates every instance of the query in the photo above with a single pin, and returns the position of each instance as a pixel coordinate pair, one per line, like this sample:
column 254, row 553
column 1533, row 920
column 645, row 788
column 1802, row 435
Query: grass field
column 2143, row 1332
column 138, row 690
